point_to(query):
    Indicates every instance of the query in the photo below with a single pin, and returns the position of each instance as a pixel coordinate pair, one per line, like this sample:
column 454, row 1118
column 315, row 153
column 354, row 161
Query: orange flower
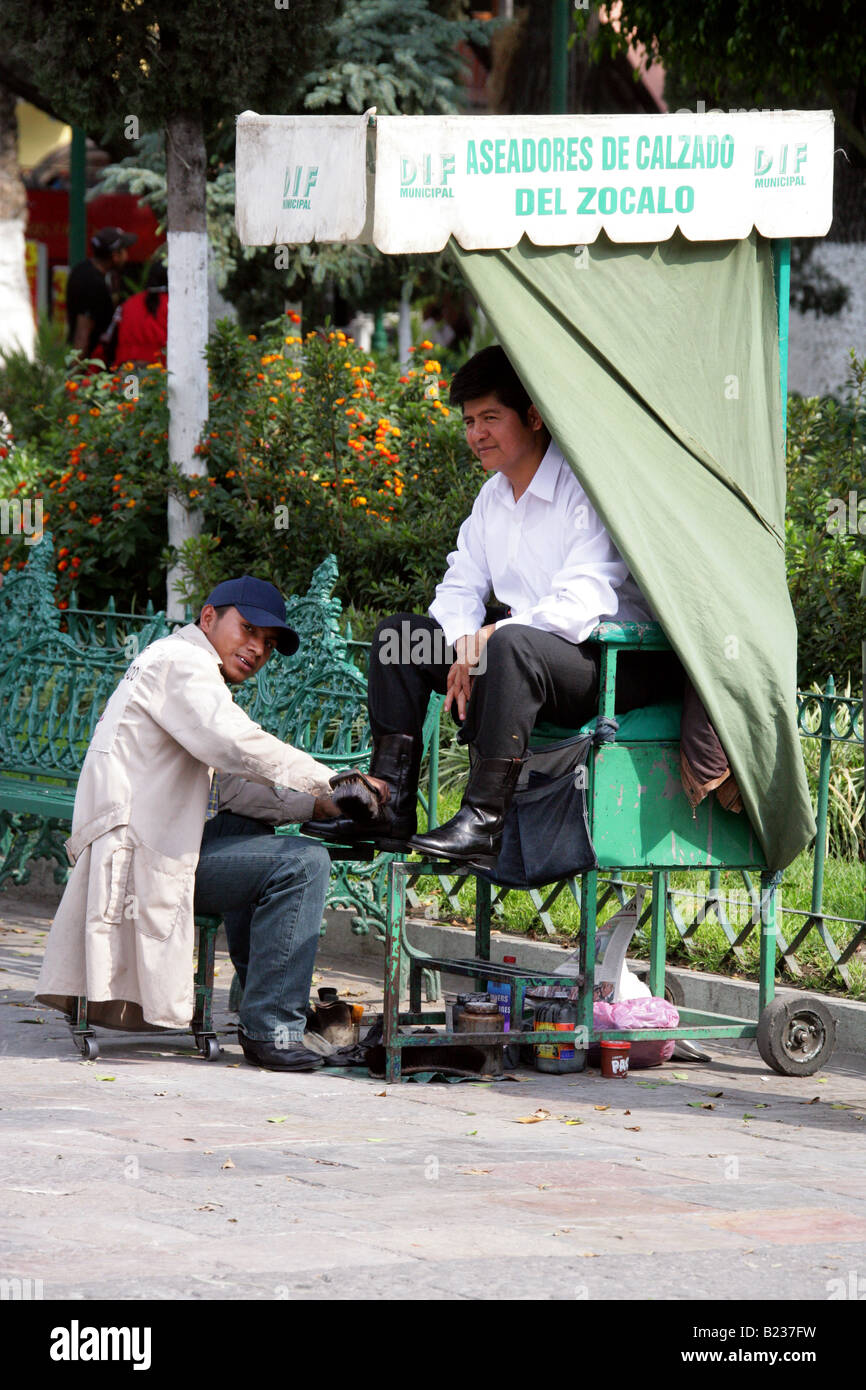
column 117, row 477
column 73, row 506
column 72, row 419
column 94, row 410
column 64, row 550
column 295, row 318
column 62, row 564
column 82, row 477
column 131, row 503
column 93, row 520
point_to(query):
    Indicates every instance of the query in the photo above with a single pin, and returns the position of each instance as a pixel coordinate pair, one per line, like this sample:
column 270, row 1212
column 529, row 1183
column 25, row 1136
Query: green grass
column 708, row 949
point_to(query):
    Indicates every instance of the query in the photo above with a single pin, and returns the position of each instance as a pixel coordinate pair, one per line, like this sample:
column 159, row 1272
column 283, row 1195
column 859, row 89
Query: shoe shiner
column 174, row 814
column 534, row 540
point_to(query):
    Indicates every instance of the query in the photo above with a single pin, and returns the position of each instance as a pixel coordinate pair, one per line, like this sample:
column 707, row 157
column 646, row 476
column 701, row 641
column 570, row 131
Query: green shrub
column 30, row 389
column 826, row 461
column 101, row 471
column 312, row 446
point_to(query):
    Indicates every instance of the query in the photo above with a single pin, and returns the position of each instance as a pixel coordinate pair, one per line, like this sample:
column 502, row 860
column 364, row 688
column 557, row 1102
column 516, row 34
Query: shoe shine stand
column 398, row 1026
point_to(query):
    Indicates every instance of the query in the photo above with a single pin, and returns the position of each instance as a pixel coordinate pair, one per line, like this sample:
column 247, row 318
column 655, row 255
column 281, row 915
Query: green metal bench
column 53, row 689
column 639, row 818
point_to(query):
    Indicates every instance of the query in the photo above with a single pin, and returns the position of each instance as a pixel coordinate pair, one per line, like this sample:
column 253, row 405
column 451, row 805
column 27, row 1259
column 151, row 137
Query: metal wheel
column 209, row 1048
column 87, row 1046
column 796, row 1037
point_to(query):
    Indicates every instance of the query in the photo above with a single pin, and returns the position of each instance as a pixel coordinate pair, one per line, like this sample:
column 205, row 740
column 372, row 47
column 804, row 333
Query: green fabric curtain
column 656, row 369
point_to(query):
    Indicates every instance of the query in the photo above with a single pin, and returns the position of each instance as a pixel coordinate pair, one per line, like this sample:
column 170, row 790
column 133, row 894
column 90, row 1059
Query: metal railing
column 826, row 716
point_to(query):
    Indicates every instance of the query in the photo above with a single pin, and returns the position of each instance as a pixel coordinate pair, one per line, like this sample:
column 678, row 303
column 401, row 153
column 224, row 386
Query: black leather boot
column 474, row 835
column 396, row 759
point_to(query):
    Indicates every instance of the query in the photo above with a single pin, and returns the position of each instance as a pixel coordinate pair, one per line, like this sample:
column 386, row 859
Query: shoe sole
column 473, row 861
column 386, row 843
column 298, row 1066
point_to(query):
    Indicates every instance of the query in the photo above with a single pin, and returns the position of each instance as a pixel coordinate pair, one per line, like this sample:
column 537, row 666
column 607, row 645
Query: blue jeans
column 270, row 891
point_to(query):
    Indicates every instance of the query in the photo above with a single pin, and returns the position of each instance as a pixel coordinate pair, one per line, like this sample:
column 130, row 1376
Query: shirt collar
column 543, row 483
column 194, row 634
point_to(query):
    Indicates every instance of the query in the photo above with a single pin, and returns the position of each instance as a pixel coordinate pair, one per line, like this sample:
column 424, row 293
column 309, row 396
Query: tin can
column 480, row 1014
column 614, row 1058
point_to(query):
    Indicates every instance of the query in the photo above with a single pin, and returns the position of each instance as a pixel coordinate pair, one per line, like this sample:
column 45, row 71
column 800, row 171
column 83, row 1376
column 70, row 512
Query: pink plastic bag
column 634, row 1014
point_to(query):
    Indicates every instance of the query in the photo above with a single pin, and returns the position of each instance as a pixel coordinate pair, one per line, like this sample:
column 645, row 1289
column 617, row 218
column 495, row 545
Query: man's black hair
column 223, row 608
column 489, row 372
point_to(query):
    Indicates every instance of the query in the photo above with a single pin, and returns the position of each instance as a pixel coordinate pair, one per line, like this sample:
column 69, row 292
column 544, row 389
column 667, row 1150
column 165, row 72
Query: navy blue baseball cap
column 260, row 603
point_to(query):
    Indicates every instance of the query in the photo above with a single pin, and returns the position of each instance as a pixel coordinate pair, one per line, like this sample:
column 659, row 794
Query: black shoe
column 293, row 1057
column 396, row 759
column 474, row 835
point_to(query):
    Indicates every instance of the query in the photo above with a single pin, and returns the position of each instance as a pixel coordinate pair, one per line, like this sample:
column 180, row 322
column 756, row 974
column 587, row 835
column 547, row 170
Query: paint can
column 614, row 1058
column 480, row 1014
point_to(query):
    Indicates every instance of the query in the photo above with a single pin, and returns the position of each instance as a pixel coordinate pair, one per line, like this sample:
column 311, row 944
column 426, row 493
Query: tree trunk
column 187, row 325
column 16, row 315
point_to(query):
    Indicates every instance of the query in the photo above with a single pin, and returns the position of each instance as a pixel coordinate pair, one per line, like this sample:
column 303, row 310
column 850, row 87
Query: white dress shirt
column 547, row 557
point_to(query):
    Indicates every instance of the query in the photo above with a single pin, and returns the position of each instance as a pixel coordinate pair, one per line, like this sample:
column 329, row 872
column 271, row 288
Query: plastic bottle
column 502, row 993
column 558, row 1057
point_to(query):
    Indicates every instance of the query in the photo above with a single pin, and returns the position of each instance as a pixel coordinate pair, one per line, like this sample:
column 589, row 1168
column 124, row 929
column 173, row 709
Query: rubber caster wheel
column 236, row 995
column 209, row 1048
column 796, row 1037
column 88, row 1047
column 674, row 992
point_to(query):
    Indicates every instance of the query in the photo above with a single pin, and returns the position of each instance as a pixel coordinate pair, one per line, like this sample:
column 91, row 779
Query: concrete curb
column 714, row 993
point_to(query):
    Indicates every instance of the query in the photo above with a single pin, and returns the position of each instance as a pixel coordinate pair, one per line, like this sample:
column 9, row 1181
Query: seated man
column 155, row 838
column 534, row 540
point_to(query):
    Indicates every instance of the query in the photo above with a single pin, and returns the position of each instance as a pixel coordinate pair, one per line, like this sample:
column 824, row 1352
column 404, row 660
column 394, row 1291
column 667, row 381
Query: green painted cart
column 638, row 816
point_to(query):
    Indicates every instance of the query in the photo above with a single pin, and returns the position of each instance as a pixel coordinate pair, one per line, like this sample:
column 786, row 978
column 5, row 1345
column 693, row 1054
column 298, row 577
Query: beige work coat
column 124, row 929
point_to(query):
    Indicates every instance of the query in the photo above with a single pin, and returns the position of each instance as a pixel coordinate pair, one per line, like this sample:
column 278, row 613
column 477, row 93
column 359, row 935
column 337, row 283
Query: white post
column 187, row 325
column 16, row 315
column 404, row 323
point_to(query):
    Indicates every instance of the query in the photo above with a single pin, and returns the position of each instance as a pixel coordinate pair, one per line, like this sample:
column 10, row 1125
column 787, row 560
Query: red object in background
column 141, row 337
column 48, row 221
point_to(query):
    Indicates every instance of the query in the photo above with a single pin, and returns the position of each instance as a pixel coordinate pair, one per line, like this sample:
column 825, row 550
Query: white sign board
column 300, row 178
column 560, row 180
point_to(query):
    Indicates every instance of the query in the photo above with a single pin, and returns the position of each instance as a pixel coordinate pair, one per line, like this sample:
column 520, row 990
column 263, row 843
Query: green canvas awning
column 656, row 369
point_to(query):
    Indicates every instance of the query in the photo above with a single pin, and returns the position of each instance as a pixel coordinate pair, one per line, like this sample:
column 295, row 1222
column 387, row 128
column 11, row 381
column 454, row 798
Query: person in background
column 93, row 291
column 142, row 329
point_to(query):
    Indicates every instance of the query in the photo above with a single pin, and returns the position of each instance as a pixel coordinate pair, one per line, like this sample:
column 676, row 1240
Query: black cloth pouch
column 546, row 833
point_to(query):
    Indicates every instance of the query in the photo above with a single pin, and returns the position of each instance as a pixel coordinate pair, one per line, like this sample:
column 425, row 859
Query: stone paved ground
column 153, row 1174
